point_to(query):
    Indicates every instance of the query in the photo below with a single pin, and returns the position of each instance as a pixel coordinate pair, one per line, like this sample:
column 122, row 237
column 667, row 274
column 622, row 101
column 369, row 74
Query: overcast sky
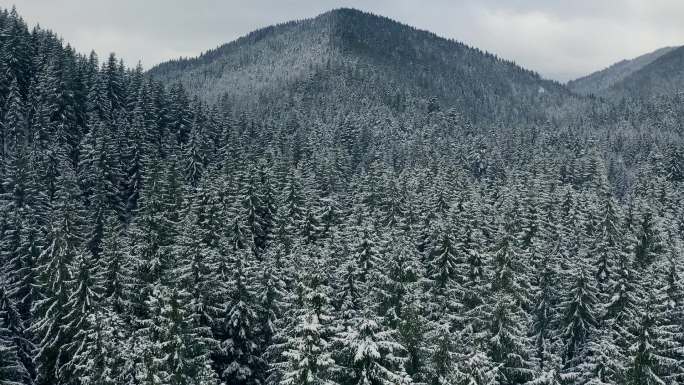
column 561, row 39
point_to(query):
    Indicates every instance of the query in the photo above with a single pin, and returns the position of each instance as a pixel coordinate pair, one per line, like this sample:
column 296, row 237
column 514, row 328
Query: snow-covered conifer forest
column 338, row 200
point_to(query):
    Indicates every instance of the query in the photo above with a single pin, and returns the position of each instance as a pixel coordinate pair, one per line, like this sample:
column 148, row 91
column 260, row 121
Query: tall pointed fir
column 115, row 266
column 578, row 318
column 505, row 320
column 238, row 360
column 366, row 253
column 309, row 350
column 194, row 271
column 64, row 244
column 649, row 240
column 16, row 349
column 173, row 348
column 151, row 237
column 83, row 303
column 251, row 212
column 271, row 296
column 545, row 314
column 650, row 362
column 443, row 271
column 374, row 355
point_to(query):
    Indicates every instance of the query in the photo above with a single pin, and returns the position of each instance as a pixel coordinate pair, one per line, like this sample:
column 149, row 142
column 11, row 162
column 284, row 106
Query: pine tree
column 115, row 266
column 195, row 272
column 83, row 302
column 545, row 314
column 252, row 210
column 239, row 360
column 601, row 362
column 508, row 344
column 649, row 242
column 16, row 350
column 309, row 355
column 271, row 297
column 54, row 275
column 443, row 354
column 443, row 270
column 508, row 276
column 176, row 349
column 102, row 356
column 649, row 361
column 578, row 320
column 374, row 355
column 477, row 369
column 607, row 246
column 621, row 309
column 366, row 254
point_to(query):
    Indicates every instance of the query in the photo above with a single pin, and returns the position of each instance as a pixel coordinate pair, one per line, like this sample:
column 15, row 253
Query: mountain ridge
column 615, row 80
column 343, row 43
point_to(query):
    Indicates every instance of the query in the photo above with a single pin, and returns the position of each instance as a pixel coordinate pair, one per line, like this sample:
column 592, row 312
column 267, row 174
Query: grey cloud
column 559, row 39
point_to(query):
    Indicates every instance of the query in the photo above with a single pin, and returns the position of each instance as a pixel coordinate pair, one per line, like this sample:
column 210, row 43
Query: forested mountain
column 600, row 81
column 665, row 76
column 353, row 58
column 311, row 227
column 660, row 73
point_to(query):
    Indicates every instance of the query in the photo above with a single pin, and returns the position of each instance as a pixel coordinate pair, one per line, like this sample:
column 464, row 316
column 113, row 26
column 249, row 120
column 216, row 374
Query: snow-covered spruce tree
column 271, row 296
column 150, row 235
column 508, row 345
column 620, row 312
column 195, row 151
column 99, row 177
column 16, row 350
column 293, row 203
column 500, row 324
column 477, row 368
column 578, row 317
column 310, row 228
column 64, row 244
column 269, row 200
column 469, row 249
column 393, row 212
column 349, row 299
column 669, row 306
column 601, row 362
column 443, row 271
column 507, row 265
column 649, row 240
column 238, row 360
column 443, row 354
column 115, row 265
column 309, row 351
column 195, row 272
column 252, row 210
column 102, row 356
column 366, row 253
column 373, row 354
column 650, row 361
column 607, row 245
column 396, row 279
column 545, row 313
column 84, row 301
column 172, row 348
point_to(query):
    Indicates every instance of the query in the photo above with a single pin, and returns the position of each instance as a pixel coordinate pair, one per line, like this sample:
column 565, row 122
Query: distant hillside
column 655, row 73
column 664, row 76
column 350, row 56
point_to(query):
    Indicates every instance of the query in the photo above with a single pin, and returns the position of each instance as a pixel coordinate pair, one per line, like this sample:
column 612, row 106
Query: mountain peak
column 346, row 50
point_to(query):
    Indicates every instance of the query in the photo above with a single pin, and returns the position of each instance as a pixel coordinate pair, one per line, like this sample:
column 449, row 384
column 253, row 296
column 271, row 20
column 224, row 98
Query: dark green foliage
column 392, row 208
